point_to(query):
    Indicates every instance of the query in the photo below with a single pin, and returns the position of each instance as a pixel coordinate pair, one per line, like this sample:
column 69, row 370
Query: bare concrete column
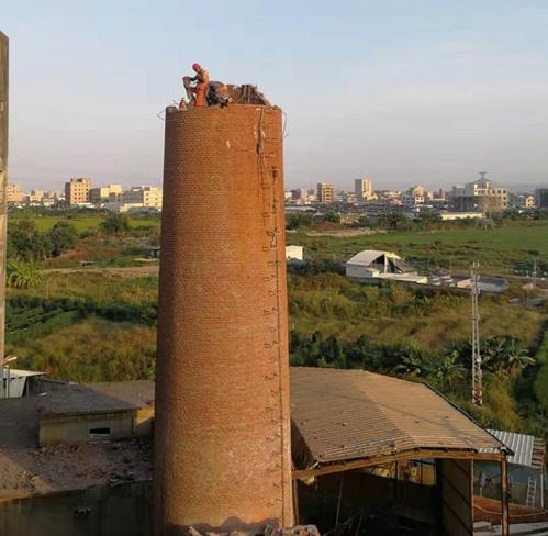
column 4, row 108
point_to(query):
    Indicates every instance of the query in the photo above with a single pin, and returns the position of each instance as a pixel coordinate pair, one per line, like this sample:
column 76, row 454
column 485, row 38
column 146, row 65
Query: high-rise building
column 15, row 194
column 222, row 424
column 541, row 198
column 325, row 193
column 77, row 191
column 363, row 188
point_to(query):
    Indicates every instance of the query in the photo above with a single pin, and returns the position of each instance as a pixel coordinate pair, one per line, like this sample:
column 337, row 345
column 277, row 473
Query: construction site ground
column 26, row 469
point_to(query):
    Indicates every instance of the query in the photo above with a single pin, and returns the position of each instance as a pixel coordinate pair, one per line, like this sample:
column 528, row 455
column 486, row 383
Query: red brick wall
column 222, row 418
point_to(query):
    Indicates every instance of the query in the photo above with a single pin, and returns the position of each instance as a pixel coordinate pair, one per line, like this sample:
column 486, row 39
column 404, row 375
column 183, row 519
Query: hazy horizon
column 402, row 92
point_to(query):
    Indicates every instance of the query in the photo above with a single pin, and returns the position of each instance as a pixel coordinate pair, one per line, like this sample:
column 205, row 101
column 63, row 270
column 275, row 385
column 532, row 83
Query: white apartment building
column 146, row 196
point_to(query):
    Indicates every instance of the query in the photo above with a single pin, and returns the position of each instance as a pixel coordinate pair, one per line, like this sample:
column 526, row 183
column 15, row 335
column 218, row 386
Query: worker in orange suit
column 202, row 77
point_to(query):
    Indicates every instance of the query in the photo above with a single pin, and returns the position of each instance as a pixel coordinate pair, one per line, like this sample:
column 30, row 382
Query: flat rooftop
column 99, row 397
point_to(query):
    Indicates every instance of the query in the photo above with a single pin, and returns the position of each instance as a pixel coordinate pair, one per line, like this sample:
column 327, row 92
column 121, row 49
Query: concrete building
column 363, row 189
column 478, row 196
column 36, row 197
column 222, row 429
column 454, row 216
column 78, row 413
column 325, row 193
column 102, row 194
column 4, row 131
column 520, row 201
column 77, row 191
column 15, row 194
column 146, row 196
column 541, row 198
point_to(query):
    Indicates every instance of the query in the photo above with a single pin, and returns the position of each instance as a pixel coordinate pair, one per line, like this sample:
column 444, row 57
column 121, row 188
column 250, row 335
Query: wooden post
column 504, row 496
column 296, row 513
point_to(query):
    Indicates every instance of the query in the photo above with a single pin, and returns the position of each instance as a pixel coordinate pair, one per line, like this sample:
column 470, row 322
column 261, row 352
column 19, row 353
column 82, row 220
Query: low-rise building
column 294, row 252
column 77, row 413
column 102, row 194
column 372, row 264
column 146, row 196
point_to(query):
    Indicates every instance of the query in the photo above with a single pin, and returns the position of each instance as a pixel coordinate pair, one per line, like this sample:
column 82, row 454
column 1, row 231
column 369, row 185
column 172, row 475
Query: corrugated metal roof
column 367, row 256
column 350, row 414
column 528, row 450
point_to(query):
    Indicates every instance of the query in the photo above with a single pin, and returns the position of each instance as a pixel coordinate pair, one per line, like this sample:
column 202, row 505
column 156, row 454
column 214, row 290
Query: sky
column 403, row 92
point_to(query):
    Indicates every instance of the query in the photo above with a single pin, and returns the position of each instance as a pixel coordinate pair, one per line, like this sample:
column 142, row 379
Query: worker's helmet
column 196, row 67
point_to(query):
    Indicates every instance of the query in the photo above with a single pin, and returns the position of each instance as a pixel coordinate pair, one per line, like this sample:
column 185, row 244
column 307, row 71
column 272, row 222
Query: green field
column 499, row 251
column 82, row 222
column 98, row 323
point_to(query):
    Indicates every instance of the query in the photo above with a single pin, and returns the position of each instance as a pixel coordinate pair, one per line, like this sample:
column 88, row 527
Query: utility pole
column 477, row 390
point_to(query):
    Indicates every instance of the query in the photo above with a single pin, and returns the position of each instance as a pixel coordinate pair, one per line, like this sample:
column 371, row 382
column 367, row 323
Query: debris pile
column 246, row 94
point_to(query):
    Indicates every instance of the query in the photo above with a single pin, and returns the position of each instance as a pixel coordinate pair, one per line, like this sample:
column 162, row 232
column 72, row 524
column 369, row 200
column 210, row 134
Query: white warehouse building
column 375, row 264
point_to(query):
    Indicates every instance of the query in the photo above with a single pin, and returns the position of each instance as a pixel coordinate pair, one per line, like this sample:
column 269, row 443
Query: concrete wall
column 80, row 428
column 222, row 386
column 4, row 116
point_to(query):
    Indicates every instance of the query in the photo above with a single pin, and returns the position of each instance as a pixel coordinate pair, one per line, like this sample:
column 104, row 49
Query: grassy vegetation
column 499, row 250
column 98, row 324
column 84, row 221
column 332, row 304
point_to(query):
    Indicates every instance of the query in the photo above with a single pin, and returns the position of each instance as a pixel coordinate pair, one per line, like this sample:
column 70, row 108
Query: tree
column 448, row 370
column 505, row 356
column 63, row 236
column 115, row 224
column 22, row 275
column 412, row 361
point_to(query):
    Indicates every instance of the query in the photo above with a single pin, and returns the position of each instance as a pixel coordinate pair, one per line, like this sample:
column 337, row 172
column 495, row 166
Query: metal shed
column 377, row 264
column 352, row 419
column 528, row 452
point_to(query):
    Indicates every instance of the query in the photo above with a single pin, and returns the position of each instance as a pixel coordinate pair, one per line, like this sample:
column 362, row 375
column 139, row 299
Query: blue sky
column 402, row 91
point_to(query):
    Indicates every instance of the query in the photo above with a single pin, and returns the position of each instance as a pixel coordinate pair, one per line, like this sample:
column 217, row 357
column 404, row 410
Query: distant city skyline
column 346, row 185
column 405, row 92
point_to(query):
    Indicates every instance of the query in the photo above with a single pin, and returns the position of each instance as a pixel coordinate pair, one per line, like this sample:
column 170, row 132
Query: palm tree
column 449, row 370
column 516, row 357
column 22, row 275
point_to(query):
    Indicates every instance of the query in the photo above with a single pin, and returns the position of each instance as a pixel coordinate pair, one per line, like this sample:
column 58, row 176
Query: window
column 100, row 432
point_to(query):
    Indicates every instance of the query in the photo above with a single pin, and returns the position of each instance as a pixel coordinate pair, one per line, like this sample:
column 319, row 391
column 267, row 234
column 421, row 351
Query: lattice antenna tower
column 477, row 390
